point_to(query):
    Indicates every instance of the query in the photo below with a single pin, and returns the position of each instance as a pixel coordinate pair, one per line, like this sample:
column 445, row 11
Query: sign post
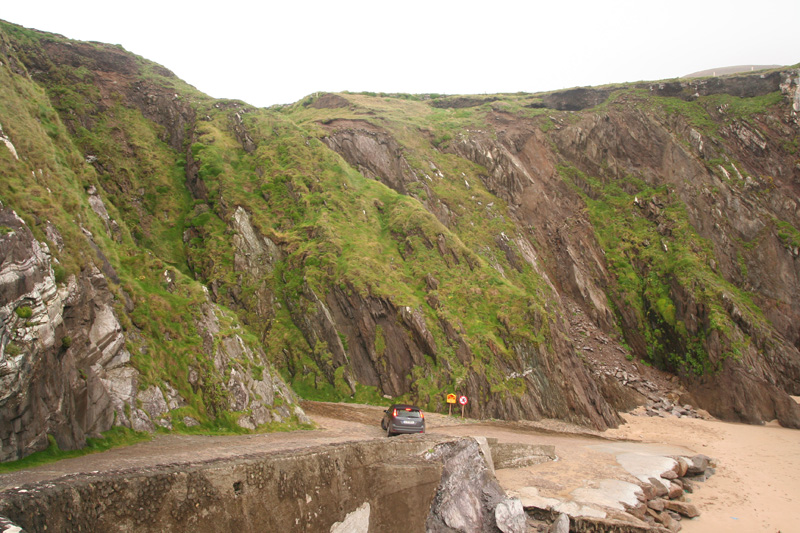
column 463, row 401
column 451, row 399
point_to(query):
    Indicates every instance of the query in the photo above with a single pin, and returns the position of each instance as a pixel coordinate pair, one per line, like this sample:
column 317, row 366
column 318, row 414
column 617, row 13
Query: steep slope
column 668, row 211
column 103, row 326
column 171, row 247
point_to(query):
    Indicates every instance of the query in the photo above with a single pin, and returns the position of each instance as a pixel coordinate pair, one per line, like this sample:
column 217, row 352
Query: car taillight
column 421, row 414
column 394, row 413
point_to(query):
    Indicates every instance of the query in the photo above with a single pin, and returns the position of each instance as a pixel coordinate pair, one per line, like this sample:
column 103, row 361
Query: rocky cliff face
column 64, row 365
column 734, row 179
column 79, row 352
column 373, row 247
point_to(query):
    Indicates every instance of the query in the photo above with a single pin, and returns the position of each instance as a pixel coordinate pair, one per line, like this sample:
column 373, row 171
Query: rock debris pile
column 608, row 360
column 661, row 504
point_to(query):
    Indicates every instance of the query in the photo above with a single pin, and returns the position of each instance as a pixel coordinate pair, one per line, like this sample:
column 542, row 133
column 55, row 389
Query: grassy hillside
column 383, row 247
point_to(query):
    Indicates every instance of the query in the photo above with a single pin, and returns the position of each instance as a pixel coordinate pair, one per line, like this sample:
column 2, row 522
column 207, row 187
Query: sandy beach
column 756, row 487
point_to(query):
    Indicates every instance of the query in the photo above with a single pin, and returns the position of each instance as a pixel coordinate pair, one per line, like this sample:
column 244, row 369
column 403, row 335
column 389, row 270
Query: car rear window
column 402, row 413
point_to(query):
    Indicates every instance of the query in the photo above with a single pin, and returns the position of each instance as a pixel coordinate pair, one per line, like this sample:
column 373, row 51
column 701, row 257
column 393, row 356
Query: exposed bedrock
column 65, row 370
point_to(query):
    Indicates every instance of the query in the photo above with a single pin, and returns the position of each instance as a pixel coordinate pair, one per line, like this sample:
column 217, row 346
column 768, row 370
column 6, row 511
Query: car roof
column 405, row 406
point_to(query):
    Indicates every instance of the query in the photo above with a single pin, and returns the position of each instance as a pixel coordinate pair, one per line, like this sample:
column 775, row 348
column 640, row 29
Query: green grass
column 115, row 437
column 339, row 231
column 646, row 266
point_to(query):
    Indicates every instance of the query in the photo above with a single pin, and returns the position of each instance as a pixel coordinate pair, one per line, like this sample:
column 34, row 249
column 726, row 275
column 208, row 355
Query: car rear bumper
column 406, row 429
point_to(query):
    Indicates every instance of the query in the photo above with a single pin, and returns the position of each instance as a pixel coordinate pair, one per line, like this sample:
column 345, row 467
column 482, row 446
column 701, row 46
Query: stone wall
column 379, row 485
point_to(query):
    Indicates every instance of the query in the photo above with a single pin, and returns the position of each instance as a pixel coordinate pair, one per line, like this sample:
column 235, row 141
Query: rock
column 152, row 401
column 561, row 524
column 140, row 421
column 468, row 493
column 675, row 491
column 700, row 464
column 486, row 452
column 683, row 465
column 660, row 487
column 55, row 388
column 639, row 511
column 669, row 474
column 648, row 491
column 682, row 508
column 668, row 522
column 355, row 522
column 7, row 526
column 656, row 504
column 510, row 516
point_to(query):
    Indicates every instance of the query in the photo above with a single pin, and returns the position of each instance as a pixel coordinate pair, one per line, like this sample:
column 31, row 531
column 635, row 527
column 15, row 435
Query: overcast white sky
column 278, row 52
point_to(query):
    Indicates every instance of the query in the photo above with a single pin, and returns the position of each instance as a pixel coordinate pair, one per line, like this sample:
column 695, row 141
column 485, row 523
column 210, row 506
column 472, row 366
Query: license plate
column 408, row 422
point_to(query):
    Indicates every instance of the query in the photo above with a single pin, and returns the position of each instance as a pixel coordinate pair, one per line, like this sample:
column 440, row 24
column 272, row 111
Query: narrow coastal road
column 766, row 459
column 336, row 423
column 171, row 449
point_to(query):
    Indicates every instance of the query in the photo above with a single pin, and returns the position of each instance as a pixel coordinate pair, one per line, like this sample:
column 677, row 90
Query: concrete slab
column 529, row 496
column 609, row 493
column 645, row 466
column 575, row 509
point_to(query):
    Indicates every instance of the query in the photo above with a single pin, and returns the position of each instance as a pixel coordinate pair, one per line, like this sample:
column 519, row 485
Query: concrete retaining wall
column 307, row 490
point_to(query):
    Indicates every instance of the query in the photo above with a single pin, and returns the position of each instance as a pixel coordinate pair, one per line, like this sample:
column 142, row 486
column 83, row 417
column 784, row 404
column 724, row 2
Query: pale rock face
column 244, row 391
column 510, row 516
column 468, row 492
column 174, row 399
column 254, row 252
column 153, row 402
column 355, row 522
column 62, row 369
column 122, row 383
column 5, row 140
column 54, row 236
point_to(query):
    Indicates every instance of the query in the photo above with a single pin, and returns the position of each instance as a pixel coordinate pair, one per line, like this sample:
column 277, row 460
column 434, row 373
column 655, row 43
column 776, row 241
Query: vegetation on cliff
column 378, row 248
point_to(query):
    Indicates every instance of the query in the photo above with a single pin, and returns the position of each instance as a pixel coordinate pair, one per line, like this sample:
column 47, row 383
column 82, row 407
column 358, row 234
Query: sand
column 756, row 487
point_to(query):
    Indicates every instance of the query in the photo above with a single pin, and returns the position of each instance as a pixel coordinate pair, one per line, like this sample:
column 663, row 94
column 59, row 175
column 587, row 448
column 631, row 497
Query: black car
column 401, row 418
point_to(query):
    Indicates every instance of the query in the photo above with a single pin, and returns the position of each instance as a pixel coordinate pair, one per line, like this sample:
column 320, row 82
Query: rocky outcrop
column 330, row 101
column 260, row 396
column 254, row 260
column 742, row 86
column 575, row 99
column 371, row 150
column 516, row 179
column 65, row 370
column 624, row 142
column 112, row 70
column 62, row 347
column 656, row 503
column 522, row 171
column 468, row 493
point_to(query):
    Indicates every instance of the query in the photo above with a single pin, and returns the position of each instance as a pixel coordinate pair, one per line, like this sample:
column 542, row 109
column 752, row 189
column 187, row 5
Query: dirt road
column 754, row 489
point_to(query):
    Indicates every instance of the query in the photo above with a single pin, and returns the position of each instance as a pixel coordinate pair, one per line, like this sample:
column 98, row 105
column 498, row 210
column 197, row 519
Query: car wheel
column 388, row 432
column 383, row 424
